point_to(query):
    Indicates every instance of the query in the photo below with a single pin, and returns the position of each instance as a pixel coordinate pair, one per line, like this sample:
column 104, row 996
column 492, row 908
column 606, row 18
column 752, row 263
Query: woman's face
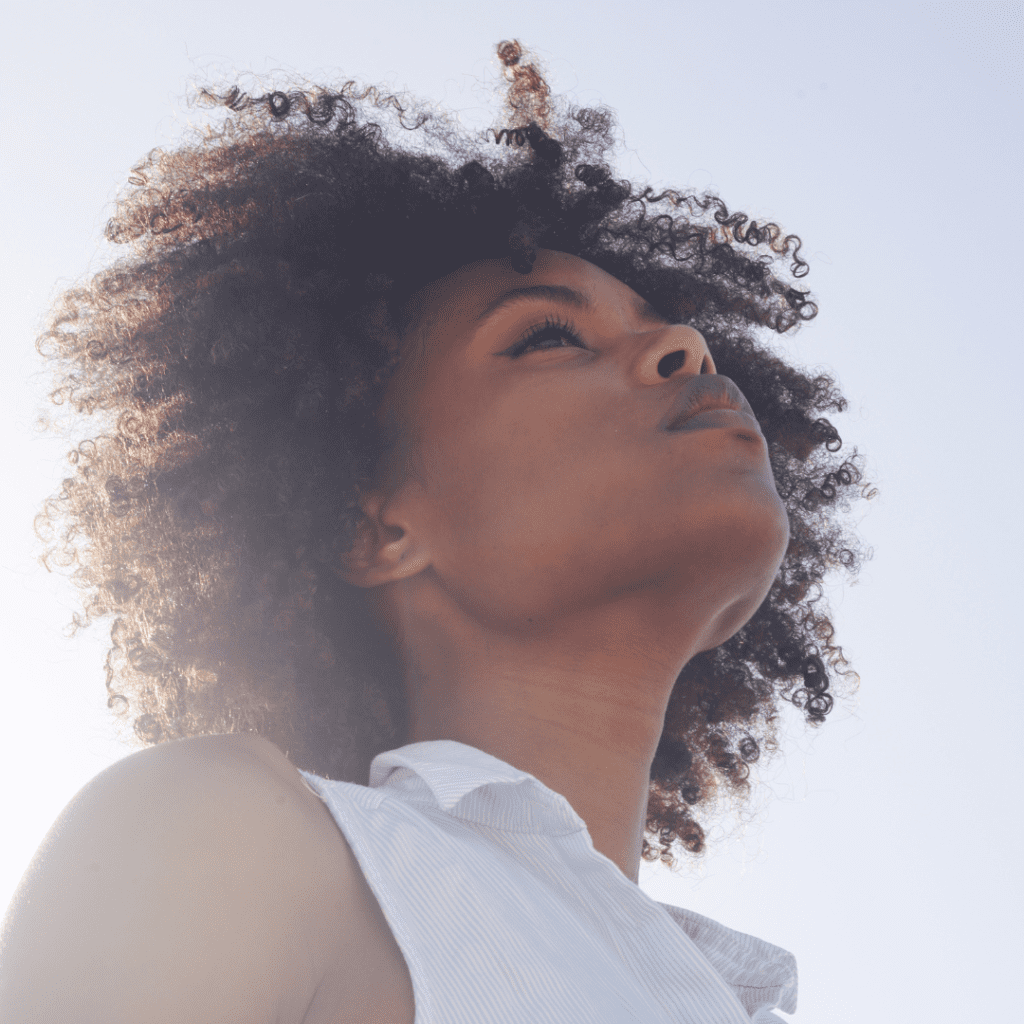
column 542, row 480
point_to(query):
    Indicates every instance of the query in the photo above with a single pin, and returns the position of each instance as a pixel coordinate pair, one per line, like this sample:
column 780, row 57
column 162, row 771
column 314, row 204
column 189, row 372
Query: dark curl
column 233, row 356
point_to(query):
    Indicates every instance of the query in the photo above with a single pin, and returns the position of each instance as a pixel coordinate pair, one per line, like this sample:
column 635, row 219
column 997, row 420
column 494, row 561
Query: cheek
column 495, row 482
column 529, row 516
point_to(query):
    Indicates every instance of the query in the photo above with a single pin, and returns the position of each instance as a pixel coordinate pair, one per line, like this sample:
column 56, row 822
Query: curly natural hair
column 234, row 357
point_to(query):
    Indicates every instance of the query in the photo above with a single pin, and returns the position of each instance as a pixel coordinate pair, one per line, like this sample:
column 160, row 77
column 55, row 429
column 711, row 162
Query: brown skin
column 546, row 555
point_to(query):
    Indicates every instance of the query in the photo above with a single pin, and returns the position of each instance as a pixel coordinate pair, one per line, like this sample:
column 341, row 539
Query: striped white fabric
column 506, row 914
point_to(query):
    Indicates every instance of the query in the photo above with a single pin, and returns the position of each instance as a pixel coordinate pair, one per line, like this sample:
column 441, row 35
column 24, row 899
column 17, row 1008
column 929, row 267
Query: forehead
column 454, row 304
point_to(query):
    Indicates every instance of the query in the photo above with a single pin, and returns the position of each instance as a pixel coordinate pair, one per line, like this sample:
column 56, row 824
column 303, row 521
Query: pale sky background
column 884, row 849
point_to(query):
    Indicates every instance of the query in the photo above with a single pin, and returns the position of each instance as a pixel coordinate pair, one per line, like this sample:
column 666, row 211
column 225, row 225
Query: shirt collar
column 471, row 784
column 762, row 975
column 453, row 774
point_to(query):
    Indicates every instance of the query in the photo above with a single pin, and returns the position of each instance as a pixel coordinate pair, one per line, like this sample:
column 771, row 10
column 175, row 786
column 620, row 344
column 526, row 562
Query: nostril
column 670, row 363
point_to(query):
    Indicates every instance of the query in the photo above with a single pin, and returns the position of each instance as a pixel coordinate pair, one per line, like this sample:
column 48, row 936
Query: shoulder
column 247, row 811
column 205, row 868
column 363, row 972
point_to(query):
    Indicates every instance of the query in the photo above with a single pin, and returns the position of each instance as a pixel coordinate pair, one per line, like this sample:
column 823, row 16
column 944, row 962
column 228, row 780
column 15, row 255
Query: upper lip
column 703, row 392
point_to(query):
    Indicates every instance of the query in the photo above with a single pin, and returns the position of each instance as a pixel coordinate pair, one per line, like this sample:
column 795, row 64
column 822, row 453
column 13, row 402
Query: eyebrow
column 569, row 297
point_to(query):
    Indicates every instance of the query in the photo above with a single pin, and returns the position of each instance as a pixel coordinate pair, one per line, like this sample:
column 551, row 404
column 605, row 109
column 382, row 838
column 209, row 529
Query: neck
column 579, row 704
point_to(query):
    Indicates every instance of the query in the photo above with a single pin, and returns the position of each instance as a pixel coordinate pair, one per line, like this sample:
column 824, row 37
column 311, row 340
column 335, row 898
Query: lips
column 704, row 392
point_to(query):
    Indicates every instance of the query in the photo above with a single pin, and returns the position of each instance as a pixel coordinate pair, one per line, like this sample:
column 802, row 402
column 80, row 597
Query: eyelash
column 551, row 325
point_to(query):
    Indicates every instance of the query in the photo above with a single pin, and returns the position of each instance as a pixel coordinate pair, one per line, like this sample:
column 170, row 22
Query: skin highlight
column 547, row 557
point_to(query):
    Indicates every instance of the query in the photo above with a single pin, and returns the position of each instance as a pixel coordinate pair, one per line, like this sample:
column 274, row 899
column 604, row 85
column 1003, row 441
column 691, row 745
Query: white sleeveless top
column 506, row 914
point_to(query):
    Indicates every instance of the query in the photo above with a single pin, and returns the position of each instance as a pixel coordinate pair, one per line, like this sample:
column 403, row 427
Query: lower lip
column 718, row 418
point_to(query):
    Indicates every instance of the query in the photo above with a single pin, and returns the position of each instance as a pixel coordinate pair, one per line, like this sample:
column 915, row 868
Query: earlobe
column 384, row 550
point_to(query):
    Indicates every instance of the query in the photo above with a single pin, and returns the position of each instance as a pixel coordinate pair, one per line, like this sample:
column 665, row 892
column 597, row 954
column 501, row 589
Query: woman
column 459, row 535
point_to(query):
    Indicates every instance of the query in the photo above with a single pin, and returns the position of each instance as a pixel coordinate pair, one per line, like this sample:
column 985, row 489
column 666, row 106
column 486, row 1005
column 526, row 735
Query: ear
column 385, row 548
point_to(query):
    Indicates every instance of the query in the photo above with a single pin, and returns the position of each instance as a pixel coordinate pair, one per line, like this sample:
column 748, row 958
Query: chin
column 729, row 622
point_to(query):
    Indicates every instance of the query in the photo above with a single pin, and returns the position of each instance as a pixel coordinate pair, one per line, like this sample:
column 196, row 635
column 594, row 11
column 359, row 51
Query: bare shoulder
column 364, row 976
column 213, row 878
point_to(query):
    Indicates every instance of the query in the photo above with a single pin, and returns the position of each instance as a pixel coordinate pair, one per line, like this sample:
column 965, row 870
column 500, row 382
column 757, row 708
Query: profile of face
column 540, row 480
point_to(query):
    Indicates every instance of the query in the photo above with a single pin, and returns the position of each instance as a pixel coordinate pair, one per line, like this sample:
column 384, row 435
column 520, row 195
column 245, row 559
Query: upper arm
column 188, row 882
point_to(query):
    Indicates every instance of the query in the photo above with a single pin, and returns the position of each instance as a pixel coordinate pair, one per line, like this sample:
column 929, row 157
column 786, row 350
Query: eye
column 552, row 330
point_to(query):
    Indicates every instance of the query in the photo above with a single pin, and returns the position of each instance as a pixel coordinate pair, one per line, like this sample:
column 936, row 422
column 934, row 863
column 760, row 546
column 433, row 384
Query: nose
column 678, row 349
